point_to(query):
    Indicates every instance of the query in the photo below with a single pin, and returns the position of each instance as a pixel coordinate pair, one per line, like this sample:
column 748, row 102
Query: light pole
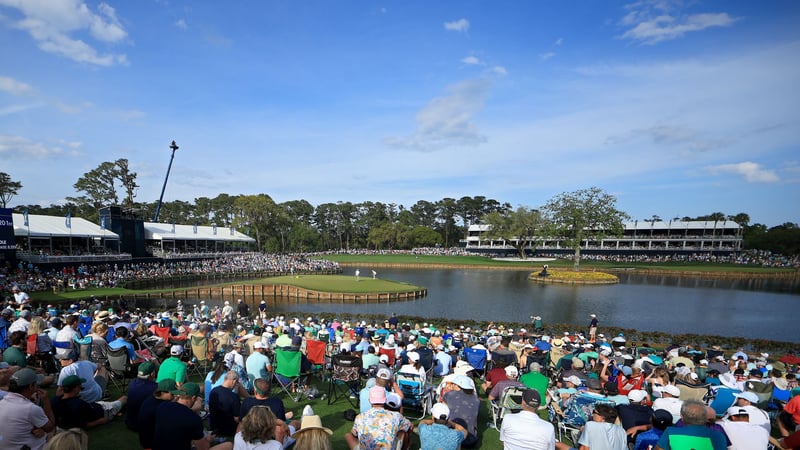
column 174, row 147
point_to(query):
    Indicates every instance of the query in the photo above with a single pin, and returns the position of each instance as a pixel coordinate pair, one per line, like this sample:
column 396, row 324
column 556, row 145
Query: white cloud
column 500, row 70
column 14, row 87
column 458, row 25
column 448, row 120
column 23, row 148
column 471, row 60
column 558, row 42
column 656, row 21
column 546, row 56
column 181, row 24
column 51, row 24
column 752, row 172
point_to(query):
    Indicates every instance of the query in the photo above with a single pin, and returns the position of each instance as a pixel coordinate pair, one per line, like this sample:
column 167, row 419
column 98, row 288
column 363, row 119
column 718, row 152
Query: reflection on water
column 757, row 308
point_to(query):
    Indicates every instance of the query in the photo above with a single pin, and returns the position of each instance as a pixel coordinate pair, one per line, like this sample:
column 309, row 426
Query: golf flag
column 195, row 228
column 68, row 220
column 25, row 215
column 214, row 228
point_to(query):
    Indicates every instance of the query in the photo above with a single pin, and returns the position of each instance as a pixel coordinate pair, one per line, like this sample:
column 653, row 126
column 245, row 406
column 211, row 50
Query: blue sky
column 679, row 108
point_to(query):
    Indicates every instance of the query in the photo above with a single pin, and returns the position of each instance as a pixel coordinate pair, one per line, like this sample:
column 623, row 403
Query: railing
column 40, row 259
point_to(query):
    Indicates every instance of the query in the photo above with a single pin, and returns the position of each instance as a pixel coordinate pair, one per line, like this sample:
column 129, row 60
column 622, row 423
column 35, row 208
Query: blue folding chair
column 477, row 359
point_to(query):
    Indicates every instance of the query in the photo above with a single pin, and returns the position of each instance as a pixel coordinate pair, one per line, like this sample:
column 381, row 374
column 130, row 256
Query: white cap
column 440, row 411
column 413, row 356
column 176, row 350
column 574, row 380
column 511, row 371
column 637, row 395
column 259, row 344
column 672, row 390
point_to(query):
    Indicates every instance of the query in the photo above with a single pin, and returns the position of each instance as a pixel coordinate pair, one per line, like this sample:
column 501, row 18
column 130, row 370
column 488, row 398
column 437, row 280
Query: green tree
column 420, row 236
column 98, row 186
column 447, row 210
column 517, row 228
column 582, row 215
column 8, row 189
column 128, row 181
column 255, row 212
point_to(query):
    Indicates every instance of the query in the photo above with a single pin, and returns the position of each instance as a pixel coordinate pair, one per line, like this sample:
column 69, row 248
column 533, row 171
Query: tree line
column 299, row 226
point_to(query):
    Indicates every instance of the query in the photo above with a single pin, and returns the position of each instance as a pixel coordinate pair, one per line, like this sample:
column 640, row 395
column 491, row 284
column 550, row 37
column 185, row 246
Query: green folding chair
column 287, row 372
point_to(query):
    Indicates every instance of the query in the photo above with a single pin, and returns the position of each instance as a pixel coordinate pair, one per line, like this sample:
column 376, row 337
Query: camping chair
column 556, row 416
column 477, row 359
column 762, row 390
column 163, row 333
column 85, row 348
column 345, row 378
column 626, row 385
column 287, row 371
column 416, row 395
column 119, row 367
column 722, row 399
column 315, row 352
column 697, row 392
column 426, row 361
column 510, row 401
column 200, row 362
column 390, row 353
column 579, row 408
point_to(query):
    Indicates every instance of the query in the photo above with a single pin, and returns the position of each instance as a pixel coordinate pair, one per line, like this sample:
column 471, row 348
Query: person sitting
column 526, row 429
column 177, row 426
column 259, row 430
column 659, row 421
column 139, row 389
column 694, row 433
column 439, row 432
column 312, row 435
column 601, row 432
column 261, row 388
column 742, row 434
column 414, row 367
column 669, row 401
column 122, row 341
column 378, row 428
column 173, row 368
column 96, row 377
column 636, row 416
column 224, row 406
column 500, row 386
column 443, row 361
column 146, row 419
column 464, row 407
column 756, row 416
column 70, row 411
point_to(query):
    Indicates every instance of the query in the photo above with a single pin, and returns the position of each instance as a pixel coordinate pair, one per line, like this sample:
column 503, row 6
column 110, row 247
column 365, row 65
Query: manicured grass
column 117, row 436
column 339, row 283
column 351, row 260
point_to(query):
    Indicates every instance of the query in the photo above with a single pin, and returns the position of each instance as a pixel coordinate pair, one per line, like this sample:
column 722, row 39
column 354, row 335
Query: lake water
column 759, row 309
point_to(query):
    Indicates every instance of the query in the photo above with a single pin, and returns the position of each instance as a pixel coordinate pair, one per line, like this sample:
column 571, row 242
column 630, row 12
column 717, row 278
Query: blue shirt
column 439, row 437
column 647, row 438
column 119, row 343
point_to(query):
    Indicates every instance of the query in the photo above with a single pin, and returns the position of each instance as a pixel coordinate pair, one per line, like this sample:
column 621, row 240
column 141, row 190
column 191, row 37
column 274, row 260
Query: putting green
column 340, row 283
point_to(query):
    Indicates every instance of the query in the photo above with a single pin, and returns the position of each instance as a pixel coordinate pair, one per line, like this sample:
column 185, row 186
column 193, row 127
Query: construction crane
column 174, row 147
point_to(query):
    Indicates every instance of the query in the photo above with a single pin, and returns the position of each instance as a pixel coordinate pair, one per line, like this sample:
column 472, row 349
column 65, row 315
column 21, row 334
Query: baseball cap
column 662, row 418
column 377, row 395
column 532, row 398
column 413, row 356
column 146, row 368
column 749, row 396
column 672, row 390
column 259, row 344
column 167, row 385
column 384, row 374
column 393, row 400
column 176, row 350
column 574, row 380
column 627, row 371
column 26, row 377
column 72, row 381
column 462, row 368
column 188, row 389
column 511, row 371
column 637, row 395
column 737, row 411
column 440, row 411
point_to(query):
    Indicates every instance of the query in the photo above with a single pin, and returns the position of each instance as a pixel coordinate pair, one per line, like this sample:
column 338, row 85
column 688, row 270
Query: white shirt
column 671, row 404
column 19, row 325
column 758, row 417
column 525, row 430
column 21, row 297
column 18, row 417
column 66, row 334
column 745, row 435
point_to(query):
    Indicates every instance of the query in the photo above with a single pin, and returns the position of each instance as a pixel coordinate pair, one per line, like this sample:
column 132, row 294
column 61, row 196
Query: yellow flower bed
column 571, row 276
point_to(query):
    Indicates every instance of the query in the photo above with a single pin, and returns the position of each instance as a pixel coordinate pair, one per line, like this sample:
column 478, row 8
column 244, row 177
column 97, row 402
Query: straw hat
column 311, row 422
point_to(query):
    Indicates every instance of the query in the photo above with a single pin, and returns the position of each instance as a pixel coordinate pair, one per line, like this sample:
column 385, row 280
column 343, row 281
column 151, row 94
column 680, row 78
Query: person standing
column 593, row 327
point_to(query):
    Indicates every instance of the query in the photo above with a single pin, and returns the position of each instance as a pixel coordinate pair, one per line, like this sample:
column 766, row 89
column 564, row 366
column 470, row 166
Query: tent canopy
column 168, row 232
column 56, row 226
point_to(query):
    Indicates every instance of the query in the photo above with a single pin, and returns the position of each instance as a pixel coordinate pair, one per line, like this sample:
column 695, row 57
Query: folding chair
column 200, row 362
column 163, row 333
column 477, row 359
column 510, row 401
column 85, row 348
column 315, row 352
column 345, row 379
column 426, row 361
column 416, row 395
column 722, row 399
column 287, row 371
column 762, row 390
column 698, row 392
column 563, row 429
column 119, row 367
column 390, row 353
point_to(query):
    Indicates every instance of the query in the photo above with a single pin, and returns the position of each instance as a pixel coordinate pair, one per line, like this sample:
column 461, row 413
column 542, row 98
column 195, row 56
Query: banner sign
column 7, row 240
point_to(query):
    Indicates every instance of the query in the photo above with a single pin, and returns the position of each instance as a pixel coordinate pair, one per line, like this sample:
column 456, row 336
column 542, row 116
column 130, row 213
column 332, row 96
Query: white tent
column 40, row 226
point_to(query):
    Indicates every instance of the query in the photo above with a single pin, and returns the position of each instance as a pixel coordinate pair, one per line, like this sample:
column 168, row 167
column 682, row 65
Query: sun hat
column 377, row 395
column 462, row 368
column 311, row 422
column 440, row 411
column 463, row 381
